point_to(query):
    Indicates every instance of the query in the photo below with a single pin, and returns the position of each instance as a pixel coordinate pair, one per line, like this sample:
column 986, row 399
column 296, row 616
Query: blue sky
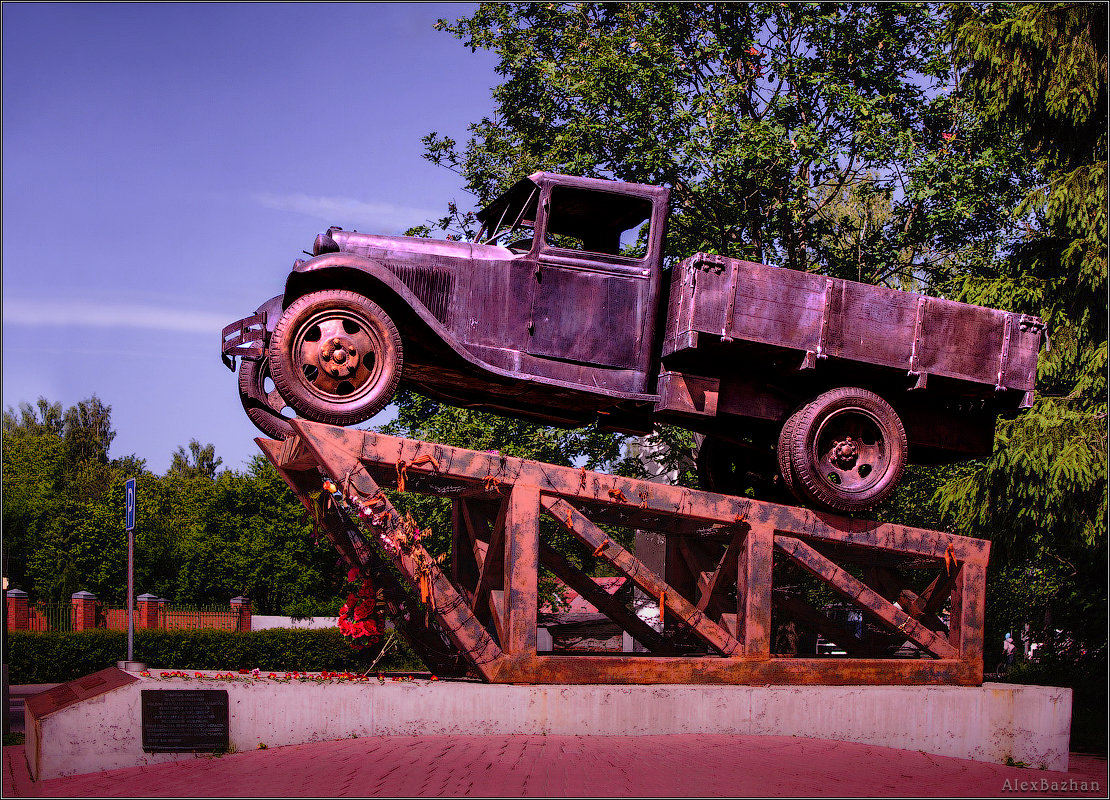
column 164, row 164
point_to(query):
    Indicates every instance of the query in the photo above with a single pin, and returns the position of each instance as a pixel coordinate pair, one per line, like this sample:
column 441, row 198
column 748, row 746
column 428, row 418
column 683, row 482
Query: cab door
column 587, row 312
column 591, row 304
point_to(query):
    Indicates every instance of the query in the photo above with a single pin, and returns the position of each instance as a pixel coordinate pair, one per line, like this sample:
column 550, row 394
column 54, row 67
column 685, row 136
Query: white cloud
column 60, row 313
column 346, row 211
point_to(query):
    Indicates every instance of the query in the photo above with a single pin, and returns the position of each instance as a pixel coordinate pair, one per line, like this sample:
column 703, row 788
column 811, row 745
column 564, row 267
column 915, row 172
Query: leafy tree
column 60, row 529
column 953, row 149
column 87, row 429
column 199, row 462
column 815, row 135
column 200, row 537
column 1038, row 72
column 33, row 458
column 243, row 534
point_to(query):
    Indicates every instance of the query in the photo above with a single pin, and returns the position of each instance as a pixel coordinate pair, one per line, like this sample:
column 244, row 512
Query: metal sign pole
column 130, row 524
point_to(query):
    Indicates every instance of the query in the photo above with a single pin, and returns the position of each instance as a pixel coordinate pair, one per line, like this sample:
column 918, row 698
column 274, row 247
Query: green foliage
column 953, row 149
column 820, row 136
column 56, row 474
column 58, row 657
column 201, row 536
column 1038, row 72
column 199, row 462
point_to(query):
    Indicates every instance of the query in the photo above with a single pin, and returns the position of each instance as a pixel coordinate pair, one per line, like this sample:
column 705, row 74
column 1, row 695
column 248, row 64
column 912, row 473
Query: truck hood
column 371, row 244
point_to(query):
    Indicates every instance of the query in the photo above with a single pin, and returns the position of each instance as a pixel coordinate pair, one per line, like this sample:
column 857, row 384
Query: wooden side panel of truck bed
column 832, row 318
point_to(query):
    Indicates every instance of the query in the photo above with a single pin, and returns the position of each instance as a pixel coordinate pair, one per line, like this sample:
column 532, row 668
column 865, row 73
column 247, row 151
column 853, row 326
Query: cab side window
column 592, row 221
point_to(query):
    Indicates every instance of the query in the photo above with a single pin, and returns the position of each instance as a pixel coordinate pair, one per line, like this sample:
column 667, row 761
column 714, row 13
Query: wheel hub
column 339, row 357
column 845, row 452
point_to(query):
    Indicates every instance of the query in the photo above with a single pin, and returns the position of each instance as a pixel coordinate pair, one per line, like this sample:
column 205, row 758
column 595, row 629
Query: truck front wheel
column 335, row 357
column 847, row 449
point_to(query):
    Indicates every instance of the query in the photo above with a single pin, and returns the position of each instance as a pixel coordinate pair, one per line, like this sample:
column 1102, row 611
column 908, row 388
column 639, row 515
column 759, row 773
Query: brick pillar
column 19, row 610
column 243, row 606
column 84, row 610
column 149, row 612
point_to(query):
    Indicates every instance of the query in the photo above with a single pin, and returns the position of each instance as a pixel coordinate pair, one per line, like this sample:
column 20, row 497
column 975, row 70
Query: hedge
column 1087, row 681
column 58, row 656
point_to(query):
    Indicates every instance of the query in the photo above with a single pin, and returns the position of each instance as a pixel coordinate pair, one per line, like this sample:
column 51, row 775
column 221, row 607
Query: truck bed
column 822, row 317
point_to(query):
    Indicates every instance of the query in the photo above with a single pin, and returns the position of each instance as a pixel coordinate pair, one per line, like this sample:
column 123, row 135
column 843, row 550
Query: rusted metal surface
column 725, row 583
column 559, row 312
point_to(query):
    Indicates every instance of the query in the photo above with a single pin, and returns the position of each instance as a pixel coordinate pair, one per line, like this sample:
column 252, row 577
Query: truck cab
column 549, row 314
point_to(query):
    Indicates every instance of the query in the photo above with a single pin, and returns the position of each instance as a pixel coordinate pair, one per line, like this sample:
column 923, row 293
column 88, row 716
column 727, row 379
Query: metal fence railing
column 46, row 616
column 51, row 617
column 175, row 618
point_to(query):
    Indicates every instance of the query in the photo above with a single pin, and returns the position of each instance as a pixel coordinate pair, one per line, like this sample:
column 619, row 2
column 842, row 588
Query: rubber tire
column 252, row 394
column 786, row 470
column 803, row 458
column 290, row 380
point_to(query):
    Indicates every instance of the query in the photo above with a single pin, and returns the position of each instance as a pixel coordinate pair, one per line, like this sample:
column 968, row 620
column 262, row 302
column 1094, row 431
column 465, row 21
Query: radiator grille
column 433, row 286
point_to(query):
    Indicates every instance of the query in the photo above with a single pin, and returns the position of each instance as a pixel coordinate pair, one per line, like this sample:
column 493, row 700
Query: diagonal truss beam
column 460, row 625
column 836, row 633
column 860, row 594
column 602, row 600
column 630, row 566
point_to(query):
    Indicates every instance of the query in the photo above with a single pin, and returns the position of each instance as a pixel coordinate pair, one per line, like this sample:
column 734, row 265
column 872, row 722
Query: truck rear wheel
column 336, row 357
column 786, row 439
column 847, row 449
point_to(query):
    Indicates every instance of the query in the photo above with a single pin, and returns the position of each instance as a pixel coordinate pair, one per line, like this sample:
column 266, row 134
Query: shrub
column 55, row 657
column 1087, row 680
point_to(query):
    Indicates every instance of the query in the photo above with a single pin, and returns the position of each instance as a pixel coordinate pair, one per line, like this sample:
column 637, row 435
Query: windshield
column 510, row 220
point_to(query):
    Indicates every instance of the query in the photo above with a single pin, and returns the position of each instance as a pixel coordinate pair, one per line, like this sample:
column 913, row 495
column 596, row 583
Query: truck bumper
column 245, row 338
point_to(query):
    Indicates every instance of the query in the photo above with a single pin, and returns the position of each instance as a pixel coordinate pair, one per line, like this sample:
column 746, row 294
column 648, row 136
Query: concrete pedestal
column 101, row 731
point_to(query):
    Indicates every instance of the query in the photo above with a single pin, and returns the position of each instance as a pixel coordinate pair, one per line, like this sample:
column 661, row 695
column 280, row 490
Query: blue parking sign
column 130, row 504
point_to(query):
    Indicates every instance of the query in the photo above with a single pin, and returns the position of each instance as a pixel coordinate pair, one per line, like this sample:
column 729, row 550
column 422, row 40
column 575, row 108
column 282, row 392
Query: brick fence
column 84, row 612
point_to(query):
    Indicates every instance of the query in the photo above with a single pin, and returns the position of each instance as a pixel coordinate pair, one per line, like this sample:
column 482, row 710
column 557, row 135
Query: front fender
column 377, row 282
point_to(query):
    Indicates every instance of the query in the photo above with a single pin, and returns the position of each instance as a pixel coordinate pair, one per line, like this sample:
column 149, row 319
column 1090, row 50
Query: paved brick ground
column 567, row 766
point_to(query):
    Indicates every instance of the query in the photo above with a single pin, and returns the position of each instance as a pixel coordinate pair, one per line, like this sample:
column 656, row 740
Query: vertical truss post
column 753, row 590
column 969, row 599
column 522, row 547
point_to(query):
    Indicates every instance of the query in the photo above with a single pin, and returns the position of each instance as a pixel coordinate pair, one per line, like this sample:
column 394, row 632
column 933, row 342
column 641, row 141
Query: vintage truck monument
column 562, row 311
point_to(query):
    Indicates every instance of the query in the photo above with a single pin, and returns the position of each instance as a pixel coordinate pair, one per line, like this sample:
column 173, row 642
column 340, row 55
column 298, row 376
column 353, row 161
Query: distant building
column 578, row 627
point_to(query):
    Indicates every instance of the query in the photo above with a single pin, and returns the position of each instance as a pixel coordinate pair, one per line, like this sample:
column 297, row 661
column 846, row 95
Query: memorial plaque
column 185, row 720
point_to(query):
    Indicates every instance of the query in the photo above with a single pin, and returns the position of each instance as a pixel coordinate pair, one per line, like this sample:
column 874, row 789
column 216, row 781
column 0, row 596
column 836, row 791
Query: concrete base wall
column 261, row 622
column 989, row 723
